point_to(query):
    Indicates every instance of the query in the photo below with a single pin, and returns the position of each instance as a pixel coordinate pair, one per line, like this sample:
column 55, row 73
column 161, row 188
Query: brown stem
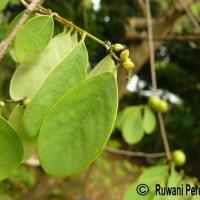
column 151, row 46
column 153, row 76
column 66, row 22
column 190, row 15
column 179, row 38
column 136, row 154
column 164, row 136
column 5, row 44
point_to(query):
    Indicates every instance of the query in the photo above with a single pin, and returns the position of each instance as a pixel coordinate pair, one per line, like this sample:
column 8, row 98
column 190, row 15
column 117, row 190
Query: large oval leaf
column 11, row 150
column 9, row 29
column 3, row 4
column 16, row 120
column 78, row 126
column 33, row 37
column 132, row 129
column 69, row 72
column 29, row 76
column 149, row 120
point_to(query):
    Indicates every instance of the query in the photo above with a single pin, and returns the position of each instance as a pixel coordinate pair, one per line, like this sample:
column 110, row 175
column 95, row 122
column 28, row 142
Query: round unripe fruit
column 163, row 107
column 179, row 157
column 26, row 103
column 118, row 47
column 124, row 55
column 128, row 65
column 2, row 104
column 154, row 102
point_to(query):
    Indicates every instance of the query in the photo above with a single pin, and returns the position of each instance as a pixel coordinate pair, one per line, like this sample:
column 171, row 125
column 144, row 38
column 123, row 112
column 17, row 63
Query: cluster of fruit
column 124, row 56
column 157, row 104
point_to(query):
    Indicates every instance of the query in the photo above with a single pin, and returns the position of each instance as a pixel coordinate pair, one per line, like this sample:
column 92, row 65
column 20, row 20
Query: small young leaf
column 174, row 178
column 3, row 4
column 11, row 149
column 77, row 127
column 69, row 72
column 132, row 129
column 33, row 37
column 149, row 120
column 16, row 120
column 105, row 65
column 29, row 76
column 122, row 116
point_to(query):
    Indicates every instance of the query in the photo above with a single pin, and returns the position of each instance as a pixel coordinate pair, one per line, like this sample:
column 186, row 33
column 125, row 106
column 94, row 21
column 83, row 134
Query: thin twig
column 136, row 154
column 64, row 21
column 7, row 42
column 153, row 75
column 190, row 15
column 151, row 46
column 20, row 101
column 164, row 135
column 12, row 101
column 179, row 38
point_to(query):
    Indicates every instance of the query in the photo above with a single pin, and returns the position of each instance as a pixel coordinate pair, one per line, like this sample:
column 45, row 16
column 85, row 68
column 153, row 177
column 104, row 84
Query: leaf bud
column 124, row 55
column 26, row 102
column 128, row 65
column 118, row 47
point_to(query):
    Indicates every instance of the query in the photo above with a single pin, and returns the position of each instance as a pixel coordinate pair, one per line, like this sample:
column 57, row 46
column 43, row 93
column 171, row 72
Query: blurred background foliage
column 177, row 67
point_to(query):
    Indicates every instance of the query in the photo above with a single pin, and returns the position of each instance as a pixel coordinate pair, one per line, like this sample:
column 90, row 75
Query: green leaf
column 3, row 4
column 195, row 197
column 74, row 38
column 131, row 193
column 33, row 37
column 159, row 197
column 9, row 29
column 16, row 120
column 69, row 72
column 29, row 76
column 183, row 183
column 122, row 116
column 105, row 65
column 78, row 126
column 14, row 22
column 153, row 175
column 174, row 178
column 132, row 130
column 11, row 150
column 149, row 120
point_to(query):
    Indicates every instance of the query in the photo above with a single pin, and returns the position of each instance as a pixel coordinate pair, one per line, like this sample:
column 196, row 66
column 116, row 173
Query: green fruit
column 128, row 65
column 124, row 55
column 179, row 157
column 154, row 103
column 2, row 104
column 118, row 47
column 163, row 107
